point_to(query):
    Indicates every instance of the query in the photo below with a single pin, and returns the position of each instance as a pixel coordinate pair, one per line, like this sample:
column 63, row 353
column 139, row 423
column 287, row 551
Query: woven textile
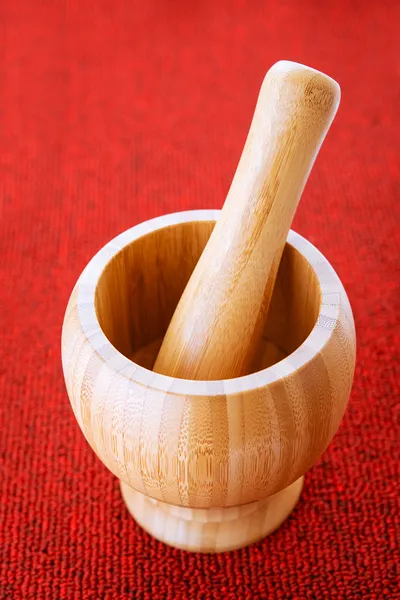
column 114, row 112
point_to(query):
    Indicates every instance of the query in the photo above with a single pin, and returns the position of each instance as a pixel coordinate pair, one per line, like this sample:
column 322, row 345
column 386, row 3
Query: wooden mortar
column 205, row 465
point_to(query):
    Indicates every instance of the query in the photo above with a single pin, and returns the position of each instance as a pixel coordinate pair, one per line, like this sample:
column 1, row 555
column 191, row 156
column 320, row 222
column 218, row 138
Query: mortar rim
column 333, row 296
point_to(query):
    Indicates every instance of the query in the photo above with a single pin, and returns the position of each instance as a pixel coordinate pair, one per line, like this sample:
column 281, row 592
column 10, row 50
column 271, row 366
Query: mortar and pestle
column 209, row 355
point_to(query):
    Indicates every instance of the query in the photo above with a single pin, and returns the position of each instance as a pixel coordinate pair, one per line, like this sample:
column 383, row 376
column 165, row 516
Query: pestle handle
column 219, row 320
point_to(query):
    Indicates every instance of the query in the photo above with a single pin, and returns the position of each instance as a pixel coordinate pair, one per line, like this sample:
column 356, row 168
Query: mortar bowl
column 205, row 465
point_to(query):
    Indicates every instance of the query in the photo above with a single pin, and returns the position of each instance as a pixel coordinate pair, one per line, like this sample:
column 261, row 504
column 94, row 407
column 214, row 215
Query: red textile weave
column 111, row 113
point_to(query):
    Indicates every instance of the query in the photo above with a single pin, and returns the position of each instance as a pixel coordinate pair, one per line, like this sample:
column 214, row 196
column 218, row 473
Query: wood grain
column 218, row 323
column 213, row 529
column 204, row 444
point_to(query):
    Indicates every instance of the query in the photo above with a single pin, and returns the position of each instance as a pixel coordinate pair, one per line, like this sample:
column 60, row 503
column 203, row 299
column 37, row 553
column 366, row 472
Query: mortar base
column 214, row 529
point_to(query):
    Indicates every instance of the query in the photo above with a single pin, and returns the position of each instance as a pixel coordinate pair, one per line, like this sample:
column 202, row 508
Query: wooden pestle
column 218, row 323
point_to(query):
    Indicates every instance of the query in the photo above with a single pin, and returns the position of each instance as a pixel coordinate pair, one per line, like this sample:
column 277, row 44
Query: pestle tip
column 321, row 92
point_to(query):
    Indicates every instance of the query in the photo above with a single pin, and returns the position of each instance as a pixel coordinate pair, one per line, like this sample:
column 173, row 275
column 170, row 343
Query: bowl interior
column 140, row 287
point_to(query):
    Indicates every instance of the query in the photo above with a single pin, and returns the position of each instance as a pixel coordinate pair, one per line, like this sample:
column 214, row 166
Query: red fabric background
column 115, row 112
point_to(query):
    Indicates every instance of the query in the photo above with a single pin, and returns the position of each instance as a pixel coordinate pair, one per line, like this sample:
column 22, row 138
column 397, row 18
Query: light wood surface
column 212, row 529
column 203, row 444
column 268, row 354
column 218, row 323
